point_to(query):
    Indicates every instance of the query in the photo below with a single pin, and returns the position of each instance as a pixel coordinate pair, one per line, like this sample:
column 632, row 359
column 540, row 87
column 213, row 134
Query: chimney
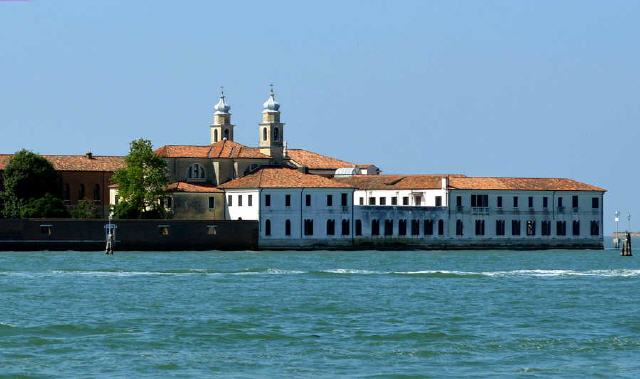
column 444, row 183
column 89, row 155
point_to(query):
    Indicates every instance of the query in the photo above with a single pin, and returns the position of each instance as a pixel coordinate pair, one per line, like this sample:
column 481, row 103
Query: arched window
column 267, row 228
column 440, row 227
column 81, row 192
column 275, row 134
column 215, row 135
column 96, row 192
column 331, row 227
column 345, row 227
column 196, row 171
column 287, row 227
column 226, row 134
column 264, row 134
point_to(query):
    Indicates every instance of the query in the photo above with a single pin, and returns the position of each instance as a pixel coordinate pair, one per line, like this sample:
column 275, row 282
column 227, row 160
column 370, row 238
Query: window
column 530, row 201
column 164, row 230
column 287, row 200
column 344, row 199
column 372, row 201
column 226, row 134
column 499, row 202
column 81, row 192
column 545, row 229
column 595, row 203
column 574, row 201
column 500, row 228
column 440, row 227
column 287, row 228
column 215, row 135
column 267, row 200
column 428, row 227
column 329, row 200
column 415, row 227
column 405, row 200
column 479, row 227
column 275, row 134
column 515, row 201
column 250, row 200
column 308, row 227
column 96, row 192
column 480, row 201
column 67, row 192
column 212, row 202
column 417, row 200
column 402, row 227
column 438, row 201
column 240, row 200
column 531, row 228
column 459, row 228
column 375, row 227
column 595, row 228
column 358, row 227
column 515, row 227
column 264, row 134
column 345, row 227
column 230, row 200
column 196, row 171
column 545, row 202
column 307, row 200
column 168, row 202
column 383, row 201
column 267, row 227
column 561, row 228
column 458, row 201
column 388, row 227
column 362, row 201
column 394, row 200
column 560, row 202
column 576, row 228
column 331, row 227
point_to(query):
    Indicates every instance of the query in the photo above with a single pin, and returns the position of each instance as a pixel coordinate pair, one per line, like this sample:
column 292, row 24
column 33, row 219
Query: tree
column 84, row 209
column 141, row 183
column 29, row 177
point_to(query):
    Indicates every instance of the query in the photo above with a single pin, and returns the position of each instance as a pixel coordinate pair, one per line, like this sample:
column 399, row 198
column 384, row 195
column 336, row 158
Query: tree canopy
column 141, row 183
column 31, row 187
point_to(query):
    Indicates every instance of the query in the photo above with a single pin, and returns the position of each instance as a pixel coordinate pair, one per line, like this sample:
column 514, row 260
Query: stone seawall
column 143, row 235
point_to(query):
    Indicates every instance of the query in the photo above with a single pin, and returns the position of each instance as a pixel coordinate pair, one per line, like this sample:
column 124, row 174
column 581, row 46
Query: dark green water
column 320, row 314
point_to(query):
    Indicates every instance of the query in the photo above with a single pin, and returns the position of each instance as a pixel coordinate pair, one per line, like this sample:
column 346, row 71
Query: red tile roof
column 76, row 162
column 393, row 182
column 192, row 187
column 220, row 149
column 281, row 177
column 521, row 184
column 316, row 161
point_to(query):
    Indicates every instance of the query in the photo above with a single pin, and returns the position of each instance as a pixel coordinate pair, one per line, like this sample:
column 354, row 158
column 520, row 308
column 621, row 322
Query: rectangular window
column 531, row 228
column 479, row 227
column 287, row 200
column 394, row 200
column 308, row 227
column 267, row 200
column 307, row 200
column 428, row 227
column 388, row 227
column 595, row 228
column 479, row 201
column 595, row 203
column 343, row 200
column 250, row 200
column 574, row 201
column 239, row 200
column 561, row 228
column 545, row 202
column 375, row 227
column 362, row 201
column 515, row 201
column 402, row 227
column 383, row 201
column 545, row 229
column 329, row 200
column 515, row 227
column 358, row 227
column 212, row 202
column 459, row 228
column 440, row 227
column 458, row 201
column 499, row 202
column 415, row 227
column 331, row 227
column 560, row 205
column 500, row 227
column 405, row 200
column 345, row 227
column 530, row 201
column 372, row 201
column 438, row 201
column 576, row 228
column 230, row 200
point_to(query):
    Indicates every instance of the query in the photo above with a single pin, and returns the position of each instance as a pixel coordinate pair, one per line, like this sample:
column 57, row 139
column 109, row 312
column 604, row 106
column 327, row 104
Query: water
column 320, row 314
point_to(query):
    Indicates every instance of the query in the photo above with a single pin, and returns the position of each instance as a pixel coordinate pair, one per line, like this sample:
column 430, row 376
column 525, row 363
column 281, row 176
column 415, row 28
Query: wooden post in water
column 626, row 246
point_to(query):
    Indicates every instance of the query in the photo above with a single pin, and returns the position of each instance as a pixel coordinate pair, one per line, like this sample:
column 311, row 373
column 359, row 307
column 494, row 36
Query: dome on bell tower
column 271, row 105
column 221, row 107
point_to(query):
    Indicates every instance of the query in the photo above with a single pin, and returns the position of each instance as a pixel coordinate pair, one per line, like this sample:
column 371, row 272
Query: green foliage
column 141, row 183
column 44, row 207
column 28, row 176
column 84, row 209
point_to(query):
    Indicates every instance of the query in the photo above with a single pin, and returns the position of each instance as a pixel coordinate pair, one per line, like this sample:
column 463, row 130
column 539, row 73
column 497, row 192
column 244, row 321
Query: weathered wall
column 89, row 235
column 195, row 206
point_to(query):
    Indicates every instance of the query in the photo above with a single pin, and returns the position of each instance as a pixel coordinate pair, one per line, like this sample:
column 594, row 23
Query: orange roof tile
column 521, row 184
column 281, row 177
column 76, row 162
column 192, row 187
column 220, row 149
column 313, row 160
column 394, row 182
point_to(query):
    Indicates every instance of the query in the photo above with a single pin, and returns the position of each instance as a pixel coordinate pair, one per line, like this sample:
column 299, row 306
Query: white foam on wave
column 354, row 271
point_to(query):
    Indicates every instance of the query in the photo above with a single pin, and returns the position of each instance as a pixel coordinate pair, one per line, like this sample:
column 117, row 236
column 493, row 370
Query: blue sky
column 494, row 88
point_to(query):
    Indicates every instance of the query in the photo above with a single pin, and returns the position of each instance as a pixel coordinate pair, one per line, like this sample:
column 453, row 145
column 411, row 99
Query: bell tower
column 271, row 130
column 221, row 128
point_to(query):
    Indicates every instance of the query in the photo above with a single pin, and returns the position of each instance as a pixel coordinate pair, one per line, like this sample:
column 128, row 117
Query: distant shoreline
column 622, row 234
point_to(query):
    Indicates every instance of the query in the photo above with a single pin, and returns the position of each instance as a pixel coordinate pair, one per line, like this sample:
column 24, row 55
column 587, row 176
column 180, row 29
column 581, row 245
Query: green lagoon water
column 320, row 314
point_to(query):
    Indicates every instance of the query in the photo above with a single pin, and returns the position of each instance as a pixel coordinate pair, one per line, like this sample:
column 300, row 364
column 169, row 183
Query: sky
column 484, row 88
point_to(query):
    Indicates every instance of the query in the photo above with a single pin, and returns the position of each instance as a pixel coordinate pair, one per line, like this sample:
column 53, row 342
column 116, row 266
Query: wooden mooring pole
column 626, row 246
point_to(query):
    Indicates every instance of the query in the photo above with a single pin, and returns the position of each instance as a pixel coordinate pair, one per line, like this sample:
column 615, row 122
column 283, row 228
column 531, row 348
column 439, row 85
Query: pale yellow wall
column 195, row 206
